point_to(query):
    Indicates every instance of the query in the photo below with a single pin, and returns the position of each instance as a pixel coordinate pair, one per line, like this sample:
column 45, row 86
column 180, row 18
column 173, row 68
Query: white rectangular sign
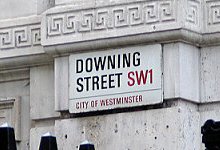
column 116, row 78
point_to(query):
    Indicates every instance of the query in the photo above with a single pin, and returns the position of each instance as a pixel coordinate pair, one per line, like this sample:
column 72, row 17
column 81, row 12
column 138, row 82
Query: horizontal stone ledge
column 14, row 75
column 21, row 21
column 25, row 61
column 167, row 103
column 178, row 35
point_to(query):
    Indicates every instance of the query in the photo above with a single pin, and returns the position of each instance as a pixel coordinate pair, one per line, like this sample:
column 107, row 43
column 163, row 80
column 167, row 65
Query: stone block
column 42, row 92
column 210, row 74
column 61, row 83
column 12, row 9
column 14, row 89
column 25, row 123
column 13, row 75
column 181, row 71
column 149, row 129
column 61, row 2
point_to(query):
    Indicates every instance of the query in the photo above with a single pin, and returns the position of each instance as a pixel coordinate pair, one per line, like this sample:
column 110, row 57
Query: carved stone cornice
column 211, row 16
column 131, row 19
column 101, row 24
column 107, row 22
column 20, row 42
column 22, row 33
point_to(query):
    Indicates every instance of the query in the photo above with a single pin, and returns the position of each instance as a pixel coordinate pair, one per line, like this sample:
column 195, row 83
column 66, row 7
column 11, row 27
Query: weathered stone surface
column 61, row 83
column 181, row 71
column 20, row 43
column 31, row 39
column 150, row 129
column 60, row 2
column 23, row 8
column 71, row 27
column 210, row 74
column 42, row 92
column 13, row 75
column 13, row 9
column 97, row 20
column 211, row 13
column 22, row 35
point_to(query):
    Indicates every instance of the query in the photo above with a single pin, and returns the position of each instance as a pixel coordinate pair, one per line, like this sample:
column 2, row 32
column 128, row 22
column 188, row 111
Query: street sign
column 116, row 78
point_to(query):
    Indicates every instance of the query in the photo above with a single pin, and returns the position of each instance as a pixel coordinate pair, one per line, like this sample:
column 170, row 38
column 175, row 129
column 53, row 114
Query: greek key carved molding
column 213, row 12
column 194, row 12
column 212, row 15
column 17, row 37
column 112, row 18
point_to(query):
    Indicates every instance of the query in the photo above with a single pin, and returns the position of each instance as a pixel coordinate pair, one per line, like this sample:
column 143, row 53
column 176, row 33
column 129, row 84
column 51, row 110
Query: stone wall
column 38, row 36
